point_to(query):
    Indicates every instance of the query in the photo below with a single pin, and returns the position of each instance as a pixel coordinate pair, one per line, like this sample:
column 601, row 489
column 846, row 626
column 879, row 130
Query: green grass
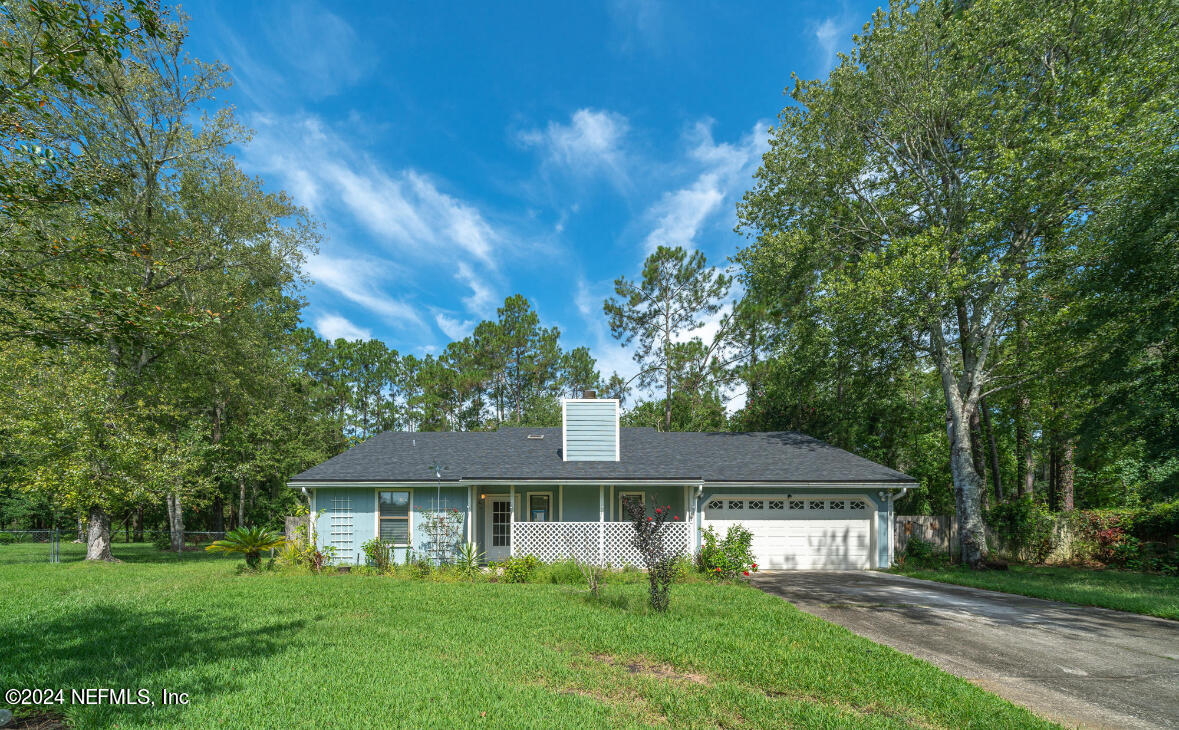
column 1152, row 595
column 281, row 650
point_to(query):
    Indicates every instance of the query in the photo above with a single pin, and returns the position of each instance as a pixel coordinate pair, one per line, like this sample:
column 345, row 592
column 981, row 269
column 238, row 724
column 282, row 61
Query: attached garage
column 793, row 532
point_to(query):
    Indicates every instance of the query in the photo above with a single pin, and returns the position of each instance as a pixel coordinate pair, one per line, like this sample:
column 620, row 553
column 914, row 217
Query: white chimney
column 590, row 429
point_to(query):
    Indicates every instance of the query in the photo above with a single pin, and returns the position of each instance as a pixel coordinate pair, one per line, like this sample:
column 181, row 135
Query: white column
column 470, row 512
column 511, row 519
column 601, row 524
column 691, row 546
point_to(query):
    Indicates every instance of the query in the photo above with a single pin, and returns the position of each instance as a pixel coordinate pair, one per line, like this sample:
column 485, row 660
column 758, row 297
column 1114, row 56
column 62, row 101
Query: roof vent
column 590, row 431
column 535, row 435
column 589, row 394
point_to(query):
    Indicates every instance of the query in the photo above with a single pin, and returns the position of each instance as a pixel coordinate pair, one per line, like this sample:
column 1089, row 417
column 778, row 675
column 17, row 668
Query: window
column 716, row 504
column 540, row 507
column 393, row 517
column 777, row 504
column 755, row 504
column 857, row 504
column 629, row 497
column 816, row 504
column 838, row 504
column 796, row 504
column 736, row 504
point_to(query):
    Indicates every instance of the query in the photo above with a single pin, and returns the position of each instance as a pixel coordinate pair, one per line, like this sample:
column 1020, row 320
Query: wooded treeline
column 961, row 262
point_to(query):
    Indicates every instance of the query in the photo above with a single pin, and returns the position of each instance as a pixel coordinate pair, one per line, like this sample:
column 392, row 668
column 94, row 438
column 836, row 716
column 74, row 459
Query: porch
column 583, row 522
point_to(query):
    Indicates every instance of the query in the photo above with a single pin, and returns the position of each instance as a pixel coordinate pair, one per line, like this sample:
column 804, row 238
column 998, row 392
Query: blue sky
column 456, row 154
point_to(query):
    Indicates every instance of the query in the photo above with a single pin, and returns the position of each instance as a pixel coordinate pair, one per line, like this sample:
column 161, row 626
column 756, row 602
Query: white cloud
column 722, row 172
column 482, row 300
column 333, row 327
column 403, row 210
column 831, row 34
column 591, row 142
column 454, row 328
column 359, row 280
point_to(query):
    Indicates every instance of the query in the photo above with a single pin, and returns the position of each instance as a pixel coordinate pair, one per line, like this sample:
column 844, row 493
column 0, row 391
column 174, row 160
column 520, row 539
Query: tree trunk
column 967, row 492
column 996, row 477
column 241, row 501
column 1066, row 473
column 1053, row 474
column 976, row 446
column 137, row 529
column 98, row 536
column 218, row 514
column 175, row 521
column 81, row 529
column 1023, row 440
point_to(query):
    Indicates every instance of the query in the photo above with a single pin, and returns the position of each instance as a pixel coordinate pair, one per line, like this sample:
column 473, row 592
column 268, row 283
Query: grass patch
column 1152, row 595
column 278, row 650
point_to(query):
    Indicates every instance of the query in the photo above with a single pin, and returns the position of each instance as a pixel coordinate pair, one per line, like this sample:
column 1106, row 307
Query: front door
column 499, row 528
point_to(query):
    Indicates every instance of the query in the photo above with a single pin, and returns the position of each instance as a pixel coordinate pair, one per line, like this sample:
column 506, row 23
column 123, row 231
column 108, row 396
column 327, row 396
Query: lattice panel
column 551, row 541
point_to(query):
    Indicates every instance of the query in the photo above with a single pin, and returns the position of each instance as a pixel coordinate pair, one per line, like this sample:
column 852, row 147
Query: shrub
column 729, row 557
column 561, row 572
column 419, row 567
column 162, row 540
column 378, row 555
column 1025, row 527
column 7, row 538
column 920, row 554
column 519, row 569
column 650, row 539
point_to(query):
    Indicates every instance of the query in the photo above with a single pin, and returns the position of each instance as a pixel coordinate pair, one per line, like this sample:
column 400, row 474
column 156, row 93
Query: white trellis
column 609, row 543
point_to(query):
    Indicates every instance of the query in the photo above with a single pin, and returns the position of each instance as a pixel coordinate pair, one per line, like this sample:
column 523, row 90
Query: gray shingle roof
column 770, row 456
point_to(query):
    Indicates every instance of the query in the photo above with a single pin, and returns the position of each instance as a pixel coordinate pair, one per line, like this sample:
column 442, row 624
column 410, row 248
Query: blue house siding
column 591, row 430
column 362, row 502
column 580, row 504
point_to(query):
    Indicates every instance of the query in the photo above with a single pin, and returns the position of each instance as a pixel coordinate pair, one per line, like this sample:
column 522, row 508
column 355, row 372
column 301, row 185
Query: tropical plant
column 249, row 541
column 467, row 560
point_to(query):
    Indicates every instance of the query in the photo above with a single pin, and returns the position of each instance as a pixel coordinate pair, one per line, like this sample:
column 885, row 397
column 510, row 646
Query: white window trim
column 622, row 515
column 528, row 505
column 377, row 514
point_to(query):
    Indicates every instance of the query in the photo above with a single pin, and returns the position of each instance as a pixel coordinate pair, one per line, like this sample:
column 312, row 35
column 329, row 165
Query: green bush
column 1025, row 527
column 7, row 538
column 162, row 541
column 378, row 555
column 420, row 567
column 562, row 572
column 520, row 569
column 729, row 557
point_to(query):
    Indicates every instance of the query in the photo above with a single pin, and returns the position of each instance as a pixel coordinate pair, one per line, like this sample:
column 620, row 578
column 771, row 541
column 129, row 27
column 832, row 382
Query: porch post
column 511, row 519
column 602, row 524
column 687, row 510
column 470, row 512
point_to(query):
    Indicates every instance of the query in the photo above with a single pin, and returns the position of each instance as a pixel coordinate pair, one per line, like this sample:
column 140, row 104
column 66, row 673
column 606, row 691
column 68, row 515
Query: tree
column 676, row 292
column 947, row 153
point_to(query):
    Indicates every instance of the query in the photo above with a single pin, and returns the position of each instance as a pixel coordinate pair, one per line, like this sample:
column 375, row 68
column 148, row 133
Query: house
column 560, row 492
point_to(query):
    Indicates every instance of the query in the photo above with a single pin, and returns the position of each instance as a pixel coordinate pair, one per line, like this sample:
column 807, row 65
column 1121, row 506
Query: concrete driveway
column 1077, row 665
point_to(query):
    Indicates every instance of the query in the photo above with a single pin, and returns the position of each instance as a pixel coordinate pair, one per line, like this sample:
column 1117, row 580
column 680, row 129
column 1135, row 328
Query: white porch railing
column 604, row 543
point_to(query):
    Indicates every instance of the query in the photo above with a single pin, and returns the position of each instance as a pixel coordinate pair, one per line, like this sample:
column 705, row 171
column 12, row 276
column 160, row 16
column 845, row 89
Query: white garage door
column 804, row 533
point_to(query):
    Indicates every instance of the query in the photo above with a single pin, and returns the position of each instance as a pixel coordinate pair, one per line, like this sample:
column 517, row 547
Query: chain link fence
column 65, row 546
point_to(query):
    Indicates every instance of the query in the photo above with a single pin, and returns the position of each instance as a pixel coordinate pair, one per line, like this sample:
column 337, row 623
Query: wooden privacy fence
column 941, row 531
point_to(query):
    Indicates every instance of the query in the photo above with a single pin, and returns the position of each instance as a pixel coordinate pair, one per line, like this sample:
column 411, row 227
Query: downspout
column 696, row 519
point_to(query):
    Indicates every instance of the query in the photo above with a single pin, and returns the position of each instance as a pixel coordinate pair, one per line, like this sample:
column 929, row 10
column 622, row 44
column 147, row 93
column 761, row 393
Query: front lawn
column 277, row 650
column 1153, row 595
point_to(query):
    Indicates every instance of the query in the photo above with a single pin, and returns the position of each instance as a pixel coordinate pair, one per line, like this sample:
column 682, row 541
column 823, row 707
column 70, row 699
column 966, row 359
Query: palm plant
column 468, row 560
column 249, row 541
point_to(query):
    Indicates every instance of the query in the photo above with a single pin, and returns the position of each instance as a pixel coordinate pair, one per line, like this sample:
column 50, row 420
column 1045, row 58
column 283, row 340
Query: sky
column 455, row 154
